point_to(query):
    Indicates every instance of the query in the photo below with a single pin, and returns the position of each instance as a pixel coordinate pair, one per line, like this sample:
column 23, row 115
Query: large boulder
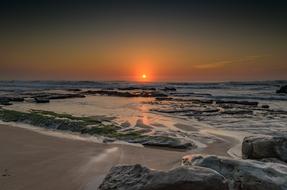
column 244, row 174
column 283, row 89
column 265, row 147
column 137, row 177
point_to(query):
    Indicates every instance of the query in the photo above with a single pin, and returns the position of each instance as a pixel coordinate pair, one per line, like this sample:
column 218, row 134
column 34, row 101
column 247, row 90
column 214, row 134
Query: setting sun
column 144, row 76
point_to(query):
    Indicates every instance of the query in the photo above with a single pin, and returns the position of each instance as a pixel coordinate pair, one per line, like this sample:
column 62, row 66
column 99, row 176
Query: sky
column 203, row 40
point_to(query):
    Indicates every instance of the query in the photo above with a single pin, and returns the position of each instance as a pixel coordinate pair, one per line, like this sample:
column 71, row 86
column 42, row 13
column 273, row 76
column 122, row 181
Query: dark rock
column 162, row 141
column 244, row 174
column 41, row 100
column 65, row 96
column 16, row 99
column 265, row 106
column 111, row 93
column 137, row 177
column 136, row 88
column 74, row 90
column 127, row 94
column 246, row 103
column 163, row 98
column 169, row 89
column 237, row 111
column 265, row 147
column 283, row 89
column 51, row 96
column 5, row 101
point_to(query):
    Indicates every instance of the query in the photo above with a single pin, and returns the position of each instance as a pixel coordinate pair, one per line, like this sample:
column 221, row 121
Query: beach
column 30, row 160
column 55, row 137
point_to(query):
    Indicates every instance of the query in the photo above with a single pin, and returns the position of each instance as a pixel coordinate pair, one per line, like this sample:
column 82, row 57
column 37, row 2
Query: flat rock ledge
column 137, row 177
column 270, row 148
column 244, row 174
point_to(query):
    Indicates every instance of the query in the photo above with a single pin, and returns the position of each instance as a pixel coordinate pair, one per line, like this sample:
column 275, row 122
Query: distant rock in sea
column 283, row 89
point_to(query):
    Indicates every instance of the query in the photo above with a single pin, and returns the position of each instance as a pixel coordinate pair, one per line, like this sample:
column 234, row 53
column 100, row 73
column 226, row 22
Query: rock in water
column 265, row 147
column 244, row 174
column 283, row 89
column 137, row 177
column 41, row 100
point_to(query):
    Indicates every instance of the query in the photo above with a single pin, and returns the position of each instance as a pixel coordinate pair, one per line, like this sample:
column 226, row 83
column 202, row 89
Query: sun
column 144, row 76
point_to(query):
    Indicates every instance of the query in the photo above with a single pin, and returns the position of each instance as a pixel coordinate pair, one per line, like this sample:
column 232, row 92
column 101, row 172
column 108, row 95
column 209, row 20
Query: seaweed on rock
column 88, row 125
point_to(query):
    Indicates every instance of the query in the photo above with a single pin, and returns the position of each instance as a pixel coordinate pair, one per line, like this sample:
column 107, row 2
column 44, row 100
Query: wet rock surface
column 41, row 100
column 92, row 126
column 265, row 147
column 137, row 177
column 244, row 174
column 8, row 100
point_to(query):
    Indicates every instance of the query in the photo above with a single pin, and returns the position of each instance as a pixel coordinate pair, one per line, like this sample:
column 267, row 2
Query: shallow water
column 143, row 112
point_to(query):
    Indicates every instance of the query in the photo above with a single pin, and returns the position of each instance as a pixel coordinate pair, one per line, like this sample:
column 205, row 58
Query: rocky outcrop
column 245, row 103
column 265, row 147
column 126, row 94
column 137, row 177
column 244, row 174
column 7, row 100
column 283, row 89
column 162, row 141
column 91, row 126
column 169, row 89
column 41, row 100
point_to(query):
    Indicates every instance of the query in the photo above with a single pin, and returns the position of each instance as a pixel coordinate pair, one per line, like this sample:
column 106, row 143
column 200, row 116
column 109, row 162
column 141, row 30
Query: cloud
column 218, row 64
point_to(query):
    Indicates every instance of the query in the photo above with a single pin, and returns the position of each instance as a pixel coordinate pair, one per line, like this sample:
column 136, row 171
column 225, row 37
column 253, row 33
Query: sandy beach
column 30, row 160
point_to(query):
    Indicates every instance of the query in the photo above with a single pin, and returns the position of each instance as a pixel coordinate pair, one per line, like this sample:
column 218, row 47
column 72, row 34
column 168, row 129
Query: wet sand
column 33, row 161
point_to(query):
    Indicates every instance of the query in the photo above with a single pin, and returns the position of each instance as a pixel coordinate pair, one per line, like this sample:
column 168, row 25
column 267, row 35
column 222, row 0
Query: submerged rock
column 41, row 100
column 244, row 174
column 137, row 177
column 283, row 89
column 127, row 94
column 246, row 103
column 265, row 147
column 6, row 101
column 169, row 89
column 51, row 96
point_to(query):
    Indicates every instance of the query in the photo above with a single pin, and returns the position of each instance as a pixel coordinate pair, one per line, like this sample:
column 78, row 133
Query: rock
column 246, row 103
column 283, row 89
column 136, row 88
column 51, row 96
column 65, row 96
column 163, row 98
column 74, row 89
column 265, row 106
column 244, row 174
column 162, row 141
column 237, row 111
column 41, row 100
column 169, row 89
column 265, row 147
column 137, row 177
column 127, row 94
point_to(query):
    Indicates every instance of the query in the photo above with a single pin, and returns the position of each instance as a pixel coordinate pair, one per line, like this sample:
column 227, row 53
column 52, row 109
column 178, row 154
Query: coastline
column 30, row 160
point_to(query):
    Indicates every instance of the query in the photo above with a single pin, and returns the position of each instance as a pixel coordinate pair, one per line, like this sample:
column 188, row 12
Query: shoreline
column 30, row 160
column 74, row 163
